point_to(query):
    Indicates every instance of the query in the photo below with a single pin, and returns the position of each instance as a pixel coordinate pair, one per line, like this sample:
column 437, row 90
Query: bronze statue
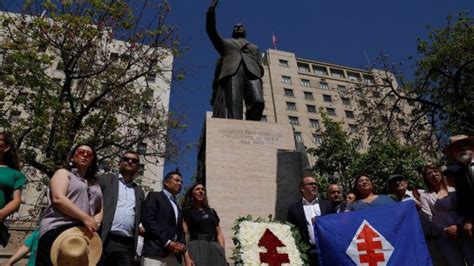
column 238, row 73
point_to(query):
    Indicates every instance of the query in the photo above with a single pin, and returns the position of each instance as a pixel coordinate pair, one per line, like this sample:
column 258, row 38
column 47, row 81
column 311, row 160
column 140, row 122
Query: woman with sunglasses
column 11, row 179
column 201, row 225
column 74, row 199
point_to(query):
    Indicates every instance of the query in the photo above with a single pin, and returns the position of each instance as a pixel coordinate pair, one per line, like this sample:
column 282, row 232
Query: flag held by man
column 387, row 235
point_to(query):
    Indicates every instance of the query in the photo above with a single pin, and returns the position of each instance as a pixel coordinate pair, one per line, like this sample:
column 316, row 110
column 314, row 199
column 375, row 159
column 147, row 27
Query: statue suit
column 240, row 72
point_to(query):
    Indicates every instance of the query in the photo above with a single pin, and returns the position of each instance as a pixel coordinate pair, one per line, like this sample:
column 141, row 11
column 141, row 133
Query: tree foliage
column 339, row 159
column 436, row 102
column 92, row 71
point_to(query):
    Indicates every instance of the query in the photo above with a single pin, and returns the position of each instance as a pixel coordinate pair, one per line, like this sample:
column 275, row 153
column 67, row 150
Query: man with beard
column 461, row 149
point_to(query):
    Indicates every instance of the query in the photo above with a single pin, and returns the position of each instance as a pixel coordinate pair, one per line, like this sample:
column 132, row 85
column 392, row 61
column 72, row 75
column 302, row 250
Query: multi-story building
column 157, row 87
column 297, row 89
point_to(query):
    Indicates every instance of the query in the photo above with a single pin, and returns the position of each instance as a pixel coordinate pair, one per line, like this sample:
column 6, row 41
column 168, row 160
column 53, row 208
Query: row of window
column 309, row 96
column 317, row 138
column 307, row 83
column 334, row 72
column 291, row 106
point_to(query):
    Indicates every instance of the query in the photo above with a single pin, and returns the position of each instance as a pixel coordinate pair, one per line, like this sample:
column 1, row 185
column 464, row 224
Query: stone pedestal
column 238, row 164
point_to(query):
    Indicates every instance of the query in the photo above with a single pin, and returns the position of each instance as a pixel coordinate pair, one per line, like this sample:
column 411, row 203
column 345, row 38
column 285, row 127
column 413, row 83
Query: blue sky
column 340, row 32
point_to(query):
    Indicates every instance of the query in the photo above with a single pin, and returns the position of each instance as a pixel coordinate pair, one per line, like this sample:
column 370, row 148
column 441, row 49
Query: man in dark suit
column 162, row 219
column 461, row 150
column 240, row 72
column 303, row 213
column 334, row 195
column 122, row 203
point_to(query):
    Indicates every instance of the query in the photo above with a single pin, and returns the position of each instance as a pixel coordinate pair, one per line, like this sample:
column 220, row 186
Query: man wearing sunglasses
column 122, row 205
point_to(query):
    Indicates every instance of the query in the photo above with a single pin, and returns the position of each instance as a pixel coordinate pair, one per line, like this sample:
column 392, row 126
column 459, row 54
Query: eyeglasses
column 128, row 159
column 310, row 184
column 84, row 153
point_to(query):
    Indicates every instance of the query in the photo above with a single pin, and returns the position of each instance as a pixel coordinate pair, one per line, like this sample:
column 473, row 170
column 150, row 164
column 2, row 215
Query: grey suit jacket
column 233, row 51
column 109, row 185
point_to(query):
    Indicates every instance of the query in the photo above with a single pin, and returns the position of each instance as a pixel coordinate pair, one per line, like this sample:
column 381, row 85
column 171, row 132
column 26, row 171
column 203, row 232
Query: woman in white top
column 439, row 206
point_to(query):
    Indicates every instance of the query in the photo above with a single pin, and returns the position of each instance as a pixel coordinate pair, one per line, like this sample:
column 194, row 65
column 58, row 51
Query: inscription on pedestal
column 250, row 137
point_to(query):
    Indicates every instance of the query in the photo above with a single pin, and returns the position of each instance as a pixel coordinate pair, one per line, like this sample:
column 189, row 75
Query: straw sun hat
column 448, row 150
column 76, row 246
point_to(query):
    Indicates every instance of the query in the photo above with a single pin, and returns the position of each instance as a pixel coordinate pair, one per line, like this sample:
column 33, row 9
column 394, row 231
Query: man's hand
column 214, row 3
column 451, row 231
column 176, row 248
column 468, row 228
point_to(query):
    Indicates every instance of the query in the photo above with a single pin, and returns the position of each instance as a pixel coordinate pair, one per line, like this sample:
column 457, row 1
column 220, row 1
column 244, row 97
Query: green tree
column 439, row 97
column 90, row 71
column 336, row 153
column 386, row 158
column 339, row 156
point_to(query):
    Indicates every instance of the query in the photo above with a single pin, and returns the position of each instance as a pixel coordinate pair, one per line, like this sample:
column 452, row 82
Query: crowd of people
column 110, row 214
column 445, row 207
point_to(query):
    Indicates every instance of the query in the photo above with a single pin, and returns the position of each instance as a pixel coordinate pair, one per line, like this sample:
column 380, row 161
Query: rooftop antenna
column 368, row 60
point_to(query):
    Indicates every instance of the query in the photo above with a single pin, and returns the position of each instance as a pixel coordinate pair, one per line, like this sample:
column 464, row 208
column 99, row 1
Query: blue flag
column 387, row 235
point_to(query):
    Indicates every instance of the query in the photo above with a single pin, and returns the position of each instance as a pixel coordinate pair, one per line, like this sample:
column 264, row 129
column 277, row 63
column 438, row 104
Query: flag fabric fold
column 387, row 235
column 274, row 41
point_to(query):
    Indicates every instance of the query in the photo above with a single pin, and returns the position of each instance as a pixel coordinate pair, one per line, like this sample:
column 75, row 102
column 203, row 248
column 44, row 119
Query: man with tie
column 122, row 204
column 162, row 220
column 304, row 212
column 240, row 71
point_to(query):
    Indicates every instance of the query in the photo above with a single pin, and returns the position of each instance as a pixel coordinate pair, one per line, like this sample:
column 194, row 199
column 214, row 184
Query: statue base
column 249, row 168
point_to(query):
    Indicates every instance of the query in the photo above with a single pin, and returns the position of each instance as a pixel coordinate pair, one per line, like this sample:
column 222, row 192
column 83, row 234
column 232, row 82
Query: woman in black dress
column 201, row 224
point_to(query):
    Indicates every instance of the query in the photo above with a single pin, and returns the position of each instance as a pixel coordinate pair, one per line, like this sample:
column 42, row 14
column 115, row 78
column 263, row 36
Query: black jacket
column 160, row 225
column 297, row 217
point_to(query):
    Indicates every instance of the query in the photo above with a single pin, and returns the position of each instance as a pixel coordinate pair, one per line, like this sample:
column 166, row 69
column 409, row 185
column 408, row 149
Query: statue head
column 239, row 31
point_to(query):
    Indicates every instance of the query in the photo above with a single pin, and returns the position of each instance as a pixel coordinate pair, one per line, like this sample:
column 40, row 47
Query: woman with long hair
column 439, row 206
column 365, row 195
column 11, row 179
column 74, row 199
column 201, row 225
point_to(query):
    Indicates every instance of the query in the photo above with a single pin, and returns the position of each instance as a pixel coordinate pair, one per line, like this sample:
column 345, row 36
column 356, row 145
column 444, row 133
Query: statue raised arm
column 241, row 71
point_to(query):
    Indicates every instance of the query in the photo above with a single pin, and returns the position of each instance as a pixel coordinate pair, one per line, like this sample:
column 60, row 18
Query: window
column 294, row 120
column 385, row 119
column 323, row 86
column 15, row 115
column 305, row 83
column 303, row 67
column 352, row 76
column 317, row 139
column 314, row 123
column 60, row 66
column 327, row 98
column 320, row 70
column 368, row 80
column 42, row 48
column 113, row 56
column 22, row 97
column 353, row 128
column 148, row 93
column 349, row 114
column 341, row 89
column 264, row 118
column 141, row 148
column 411, row 103
column 308, row 95
column 391, row 97
column 401, row 122
column 298, row 137
column 346, row 101
column 331, row 111
column 376, row 94
column 146, row 109
column 289, row 92
column 283, row 63
column 337, row 73
column 291, row 106
column 286, row 79
column 311, row 108
column 151, row 77
column 141, row 169
column 363, row 103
